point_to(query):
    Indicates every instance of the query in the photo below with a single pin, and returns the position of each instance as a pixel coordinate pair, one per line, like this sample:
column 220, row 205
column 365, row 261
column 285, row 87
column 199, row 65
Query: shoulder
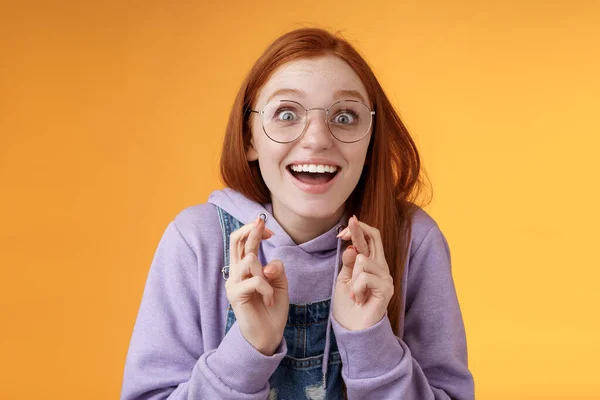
column 429, row 261
column 198, row 225
column 422, row 226
column 426, row 235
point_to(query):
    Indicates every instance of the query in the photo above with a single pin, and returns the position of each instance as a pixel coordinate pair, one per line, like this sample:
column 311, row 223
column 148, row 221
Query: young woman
column 313, row 275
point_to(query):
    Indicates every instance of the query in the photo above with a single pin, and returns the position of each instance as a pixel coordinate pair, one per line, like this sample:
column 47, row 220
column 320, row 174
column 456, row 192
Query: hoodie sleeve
column 166, row 358
column 430, row 362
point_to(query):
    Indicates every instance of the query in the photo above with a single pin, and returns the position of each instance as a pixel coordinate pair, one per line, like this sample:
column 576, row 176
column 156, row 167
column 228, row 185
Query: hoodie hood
column 246, row 211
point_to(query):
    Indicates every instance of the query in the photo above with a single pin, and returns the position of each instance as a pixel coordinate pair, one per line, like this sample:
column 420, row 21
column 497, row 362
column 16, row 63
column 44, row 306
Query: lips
column 313, row 182
column 313, row 178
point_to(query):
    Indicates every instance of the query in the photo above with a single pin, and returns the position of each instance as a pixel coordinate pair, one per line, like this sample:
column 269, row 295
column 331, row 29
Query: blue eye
column 286, row 115
column 345, row 118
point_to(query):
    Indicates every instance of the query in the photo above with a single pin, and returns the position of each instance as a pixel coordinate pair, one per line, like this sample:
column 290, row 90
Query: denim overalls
column 299, row 375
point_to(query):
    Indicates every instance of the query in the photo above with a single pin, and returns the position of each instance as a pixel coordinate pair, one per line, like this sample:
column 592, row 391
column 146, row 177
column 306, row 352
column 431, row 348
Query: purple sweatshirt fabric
column 179, row 349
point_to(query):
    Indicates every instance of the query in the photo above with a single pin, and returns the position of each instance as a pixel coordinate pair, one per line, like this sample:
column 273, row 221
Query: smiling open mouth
column 313, row 174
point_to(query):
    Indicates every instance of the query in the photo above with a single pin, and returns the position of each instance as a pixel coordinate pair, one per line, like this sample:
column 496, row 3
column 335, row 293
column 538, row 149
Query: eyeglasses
column 285, row 121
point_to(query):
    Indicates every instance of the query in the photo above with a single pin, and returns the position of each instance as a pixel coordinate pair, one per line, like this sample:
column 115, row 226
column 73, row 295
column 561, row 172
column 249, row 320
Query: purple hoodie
column 178, row 349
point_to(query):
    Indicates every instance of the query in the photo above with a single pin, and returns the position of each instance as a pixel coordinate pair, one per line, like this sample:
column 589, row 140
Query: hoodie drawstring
column 328, row 333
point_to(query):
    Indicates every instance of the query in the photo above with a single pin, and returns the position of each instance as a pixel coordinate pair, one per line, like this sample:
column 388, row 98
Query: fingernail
column 352, row 295
column 342, row 233
column 352, row 247
column 269, row 231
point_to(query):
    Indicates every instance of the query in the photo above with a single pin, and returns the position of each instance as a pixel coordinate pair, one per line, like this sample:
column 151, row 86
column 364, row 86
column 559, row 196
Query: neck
column 302, row 229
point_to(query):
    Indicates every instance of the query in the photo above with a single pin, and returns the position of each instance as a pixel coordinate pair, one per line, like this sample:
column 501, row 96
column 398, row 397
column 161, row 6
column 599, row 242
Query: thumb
column 348, row 260
column 275, row 273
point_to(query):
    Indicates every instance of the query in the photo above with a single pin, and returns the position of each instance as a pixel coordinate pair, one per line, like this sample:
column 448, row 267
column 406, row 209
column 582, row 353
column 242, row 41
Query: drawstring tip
column 325, row 381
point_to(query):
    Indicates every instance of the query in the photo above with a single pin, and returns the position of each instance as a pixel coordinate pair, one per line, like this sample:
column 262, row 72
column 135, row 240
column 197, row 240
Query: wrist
column 271, row 346
column 265, row 345
column 269, row 350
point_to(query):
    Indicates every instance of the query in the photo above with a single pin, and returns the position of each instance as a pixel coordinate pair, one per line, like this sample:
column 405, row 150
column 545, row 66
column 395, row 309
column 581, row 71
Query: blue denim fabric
column 299, row 375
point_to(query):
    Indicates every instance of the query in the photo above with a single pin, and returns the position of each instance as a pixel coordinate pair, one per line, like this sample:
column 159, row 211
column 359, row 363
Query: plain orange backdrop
column 111, row 120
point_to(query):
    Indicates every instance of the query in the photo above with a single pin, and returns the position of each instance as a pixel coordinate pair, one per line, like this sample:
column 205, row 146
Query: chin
column 319, row 209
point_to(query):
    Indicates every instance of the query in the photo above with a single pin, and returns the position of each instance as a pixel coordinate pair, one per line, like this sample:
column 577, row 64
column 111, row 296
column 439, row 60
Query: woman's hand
column 364, row 286
column 259, row 297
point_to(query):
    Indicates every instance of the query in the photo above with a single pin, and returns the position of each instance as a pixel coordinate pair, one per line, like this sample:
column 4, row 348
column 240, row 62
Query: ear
column 251, row 153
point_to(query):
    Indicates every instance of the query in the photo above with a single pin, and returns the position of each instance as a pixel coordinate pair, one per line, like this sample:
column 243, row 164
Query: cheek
column 357, row 157
column 364, row 151
column 270, row 155
column 255, row 133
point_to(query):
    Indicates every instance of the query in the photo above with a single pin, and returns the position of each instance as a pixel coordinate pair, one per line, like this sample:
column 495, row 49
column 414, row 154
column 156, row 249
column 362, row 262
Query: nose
column 316, row 134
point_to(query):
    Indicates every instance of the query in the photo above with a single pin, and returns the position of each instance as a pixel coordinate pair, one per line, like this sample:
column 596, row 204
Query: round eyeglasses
column 284, row 121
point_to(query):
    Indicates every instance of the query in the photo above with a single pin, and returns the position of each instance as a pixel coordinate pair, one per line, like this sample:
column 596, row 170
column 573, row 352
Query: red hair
column 392, row 177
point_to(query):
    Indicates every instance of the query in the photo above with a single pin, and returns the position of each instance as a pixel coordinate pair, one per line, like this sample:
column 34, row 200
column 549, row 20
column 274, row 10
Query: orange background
column 111, row 121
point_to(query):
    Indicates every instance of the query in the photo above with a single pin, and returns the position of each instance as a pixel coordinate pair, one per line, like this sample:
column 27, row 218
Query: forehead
column 313, row 81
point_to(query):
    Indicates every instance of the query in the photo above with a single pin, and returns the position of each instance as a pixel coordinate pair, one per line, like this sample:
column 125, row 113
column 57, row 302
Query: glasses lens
column 349, row 120
column 283, row 121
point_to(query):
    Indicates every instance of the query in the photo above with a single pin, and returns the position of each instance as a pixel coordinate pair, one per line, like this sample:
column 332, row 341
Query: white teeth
column 314, row 168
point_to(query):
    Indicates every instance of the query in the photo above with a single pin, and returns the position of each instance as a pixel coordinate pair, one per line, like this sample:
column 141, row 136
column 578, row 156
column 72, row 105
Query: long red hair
column 392, row 178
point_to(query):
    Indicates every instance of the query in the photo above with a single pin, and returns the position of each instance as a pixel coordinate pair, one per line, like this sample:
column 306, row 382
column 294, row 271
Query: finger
column 348, row 260
column 371, row 285
column 257, row 284
column 359, row 267
column 345, row 233
column 367, row 264
column 358, row 237
column 254, row 237
column 275, row 274
column 349, row 256
column 252, row 242
column 248, row 267
column 238, row 237
column 374, row 239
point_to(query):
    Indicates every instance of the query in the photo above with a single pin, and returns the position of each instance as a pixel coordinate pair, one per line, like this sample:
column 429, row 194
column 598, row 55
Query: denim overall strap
column 299, row 375
column 228, row 226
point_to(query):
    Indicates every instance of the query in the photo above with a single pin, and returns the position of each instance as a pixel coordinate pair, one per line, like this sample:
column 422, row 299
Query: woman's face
column 314, row 83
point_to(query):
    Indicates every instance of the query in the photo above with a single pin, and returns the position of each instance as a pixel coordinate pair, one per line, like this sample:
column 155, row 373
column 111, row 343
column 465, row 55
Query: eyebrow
column 343, row 94
column 350, row 93
column 281, row 92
